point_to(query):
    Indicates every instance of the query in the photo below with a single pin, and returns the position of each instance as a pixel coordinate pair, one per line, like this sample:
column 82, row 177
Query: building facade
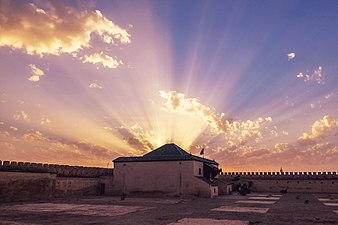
column 167, row 169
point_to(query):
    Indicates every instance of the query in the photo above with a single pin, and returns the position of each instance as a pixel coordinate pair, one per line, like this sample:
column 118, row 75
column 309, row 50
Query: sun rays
column 124, row 78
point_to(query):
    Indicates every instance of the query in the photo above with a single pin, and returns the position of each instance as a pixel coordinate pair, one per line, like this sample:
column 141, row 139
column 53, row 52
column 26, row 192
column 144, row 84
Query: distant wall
column 312, row 182
column 281, row 175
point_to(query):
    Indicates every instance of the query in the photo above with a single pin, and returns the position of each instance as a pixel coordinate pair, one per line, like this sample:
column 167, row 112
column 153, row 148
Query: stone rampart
column 59, row 170
column 20, row 186
column 312, row 182
column 281, row 175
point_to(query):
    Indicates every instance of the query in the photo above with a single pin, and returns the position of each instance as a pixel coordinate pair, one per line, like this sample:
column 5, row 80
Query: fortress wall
column 18, row 186
column 20, row 181
column 59, row 170
column 74, row 186
column 314, row 182
column 281, row 175
column 79, row 186
column 312, row 186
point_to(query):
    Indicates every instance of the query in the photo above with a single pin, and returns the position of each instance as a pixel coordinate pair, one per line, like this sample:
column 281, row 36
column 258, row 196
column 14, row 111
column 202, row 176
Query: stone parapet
column 280, row 175
column 59, row 170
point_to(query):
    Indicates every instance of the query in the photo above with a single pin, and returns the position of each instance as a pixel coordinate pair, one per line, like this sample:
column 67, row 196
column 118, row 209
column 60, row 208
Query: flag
column 202, row 151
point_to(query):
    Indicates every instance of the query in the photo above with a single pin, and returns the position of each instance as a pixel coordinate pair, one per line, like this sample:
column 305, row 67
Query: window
column 199, row 171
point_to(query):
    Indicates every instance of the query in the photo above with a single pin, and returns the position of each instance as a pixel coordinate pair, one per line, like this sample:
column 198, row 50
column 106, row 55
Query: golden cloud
column 54, row 28
column 102, row 58
column 13, row 128
column 321, row 129
column 176, row 102
column 95, row 85
column 45, row 121
column 143, row 141
column 34, row 136
column 22, row 116
column 35, row 73
column 291, row 55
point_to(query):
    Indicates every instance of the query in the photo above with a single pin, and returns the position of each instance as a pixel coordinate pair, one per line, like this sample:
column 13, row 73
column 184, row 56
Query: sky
column 254, row 83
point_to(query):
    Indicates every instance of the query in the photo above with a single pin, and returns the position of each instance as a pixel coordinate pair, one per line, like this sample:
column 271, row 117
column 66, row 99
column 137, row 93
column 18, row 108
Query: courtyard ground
column 256, row 208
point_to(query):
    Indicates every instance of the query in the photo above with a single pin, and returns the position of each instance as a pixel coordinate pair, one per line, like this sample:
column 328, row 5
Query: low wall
column 311, row 182
column 75, row 186
column 18, row 186
column 59, row 170
column 21, row 181
column 282, row 175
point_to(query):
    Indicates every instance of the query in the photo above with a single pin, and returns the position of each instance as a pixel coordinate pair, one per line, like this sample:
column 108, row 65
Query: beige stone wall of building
column 198, row 169
column 176, row 177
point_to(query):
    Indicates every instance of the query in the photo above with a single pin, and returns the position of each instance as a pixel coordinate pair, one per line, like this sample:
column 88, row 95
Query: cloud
column 108, row 128
column 95, row 85
column 13, row 128
column 321, row 129
column 45, row 121
column 22, row 116
column 317, row 76
column 300, row 75
column 35, row 73
column 176, row 102
column 103, row 59
column 93, row 149
column 257, row 153
column 143, row 141
column 34, row 136
column 54, row 28
column 221, row 136
column 78, row 147
column 291, row 55
column 329, row 95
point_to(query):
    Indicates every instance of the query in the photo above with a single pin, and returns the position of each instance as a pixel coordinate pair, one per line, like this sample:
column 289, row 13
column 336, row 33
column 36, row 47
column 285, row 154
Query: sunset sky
column 254, row 83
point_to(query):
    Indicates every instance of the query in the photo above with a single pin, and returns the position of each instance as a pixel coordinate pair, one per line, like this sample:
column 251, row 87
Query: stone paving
column 290, row 208
column 332, row 202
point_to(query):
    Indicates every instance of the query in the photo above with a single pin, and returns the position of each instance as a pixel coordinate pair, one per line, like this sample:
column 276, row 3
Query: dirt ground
column 256, row 208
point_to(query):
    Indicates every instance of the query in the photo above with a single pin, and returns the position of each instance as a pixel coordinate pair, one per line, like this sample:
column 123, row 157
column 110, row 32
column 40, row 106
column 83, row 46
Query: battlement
column 281, row 175
column 59, row 170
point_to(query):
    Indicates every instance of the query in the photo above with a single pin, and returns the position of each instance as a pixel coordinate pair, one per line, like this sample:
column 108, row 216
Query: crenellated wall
column 59, row 170
column 31, row 181
column 281, row 175
column 313, row 182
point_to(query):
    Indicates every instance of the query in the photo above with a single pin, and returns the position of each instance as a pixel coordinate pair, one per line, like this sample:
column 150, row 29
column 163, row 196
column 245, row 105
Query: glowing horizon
column 255, row 85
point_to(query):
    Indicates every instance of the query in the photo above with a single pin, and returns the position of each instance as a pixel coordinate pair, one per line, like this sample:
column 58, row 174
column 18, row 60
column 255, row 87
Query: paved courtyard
column 256, row 208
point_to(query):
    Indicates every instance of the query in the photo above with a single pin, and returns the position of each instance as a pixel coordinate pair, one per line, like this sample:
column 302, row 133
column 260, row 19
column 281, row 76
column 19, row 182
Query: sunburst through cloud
column 82, row 84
